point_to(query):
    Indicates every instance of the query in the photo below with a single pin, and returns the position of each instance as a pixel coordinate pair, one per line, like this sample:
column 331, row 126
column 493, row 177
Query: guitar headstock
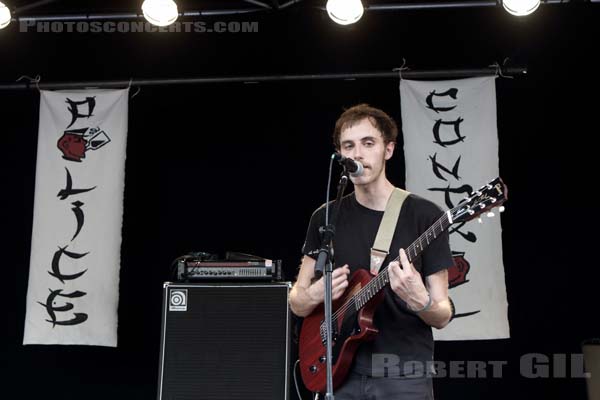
column 491, row 195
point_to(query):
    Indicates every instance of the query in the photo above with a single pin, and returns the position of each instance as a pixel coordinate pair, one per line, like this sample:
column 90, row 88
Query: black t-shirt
column 401, row 333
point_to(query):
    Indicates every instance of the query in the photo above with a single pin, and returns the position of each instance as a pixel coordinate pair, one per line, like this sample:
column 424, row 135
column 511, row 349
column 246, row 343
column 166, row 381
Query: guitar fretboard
column 413, row 251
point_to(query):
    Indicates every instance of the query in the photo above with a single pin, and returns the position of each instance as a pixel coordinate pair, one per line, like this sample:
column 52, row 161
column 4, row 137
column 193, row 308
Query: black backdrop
column 241, row 167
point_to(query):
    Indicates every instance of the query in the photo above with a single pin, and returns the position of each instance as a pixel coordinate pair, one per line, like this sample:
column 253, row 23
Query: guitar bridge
column 323, row 332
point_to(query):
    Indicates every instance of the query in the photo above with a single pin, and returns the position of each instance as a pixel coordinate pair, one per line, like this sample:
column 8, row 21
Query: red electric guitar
column 353, row 312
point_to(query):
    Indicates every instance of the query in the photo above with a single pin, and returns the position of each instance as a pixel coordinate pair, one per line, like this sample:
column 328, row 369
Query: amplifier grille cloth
column 229, row 344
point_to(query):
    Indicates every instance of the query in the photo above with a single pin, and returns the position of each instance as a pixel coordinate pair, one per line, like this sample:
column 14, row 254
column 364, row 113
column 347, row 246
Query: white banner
column 73, row 294
column 451, row 148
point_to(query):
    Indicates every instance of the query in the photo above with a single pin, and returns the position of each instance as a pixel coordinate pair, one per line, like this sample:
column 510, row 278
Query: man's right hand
column 339, row 284
column 306, row 295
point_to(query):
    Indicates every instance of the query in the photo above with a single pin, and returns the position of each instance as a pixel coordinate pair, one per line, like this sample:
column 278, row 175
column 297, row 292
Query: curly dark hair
column 380, row 120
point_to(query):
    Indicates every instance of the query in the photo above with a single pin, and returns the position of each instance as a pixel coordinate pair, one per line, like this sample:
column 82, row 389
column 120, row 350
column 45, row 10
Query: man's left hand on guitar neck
column 430, row 302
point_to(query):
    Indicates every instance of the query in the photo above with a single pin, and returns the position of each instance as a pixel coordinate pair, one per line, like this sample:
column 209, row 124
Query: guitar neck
column 362, row 297
column 416, row 248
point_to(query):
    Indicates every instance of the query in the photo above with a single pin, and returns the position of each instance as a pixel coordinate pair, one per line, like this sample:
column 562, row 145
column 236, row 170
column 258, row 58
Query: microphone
column 355, row 168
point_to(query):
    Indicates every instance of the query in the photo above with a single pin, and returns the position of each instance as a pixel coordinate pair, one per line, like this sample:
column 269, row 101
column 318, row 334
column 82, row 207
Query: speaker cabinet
column 224, row 341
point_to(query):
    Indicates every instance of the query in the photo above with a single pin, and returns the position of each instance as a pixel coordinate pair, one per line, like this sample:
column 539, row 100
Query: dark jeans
column 362, row 387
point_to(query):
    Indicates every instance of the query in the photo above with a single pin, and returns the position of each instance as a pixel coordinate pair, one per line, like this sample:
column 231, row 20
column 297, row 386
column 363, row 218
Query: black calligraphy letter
column 436, row 132
column 468, row 236
column 51, row 309
column 429, row 100
column 437, row 168
column 68, row 190
column 74, row 108
column 467, row 189
column 56, row 267
column 79, row 216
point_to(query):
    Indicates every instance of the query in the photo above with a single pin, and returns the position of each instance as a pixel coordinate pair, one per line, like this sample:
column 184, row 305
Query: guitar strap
column 387, row 227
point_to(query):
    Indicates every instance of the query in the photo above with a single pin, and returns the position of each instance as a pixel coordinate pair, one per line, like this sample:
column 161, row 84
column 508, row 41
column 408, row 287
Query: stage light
column 4, row 16
column 520, row 7
column 345, row 12
column 160, row 12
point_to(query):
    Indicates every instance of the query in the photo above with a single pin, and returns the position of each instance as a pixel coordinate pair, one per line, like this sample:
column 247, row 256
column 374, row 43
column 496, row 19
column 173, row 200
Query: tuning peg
column 480, row 220
column 501, row 209
column 482, row 206
column 490, row 214
column 471, row 212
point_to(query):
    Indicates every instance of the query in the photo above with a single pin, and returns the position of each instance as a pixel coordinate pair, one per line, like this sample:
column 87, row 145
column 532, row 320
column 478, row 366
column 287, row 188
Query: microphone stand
column 324, row 262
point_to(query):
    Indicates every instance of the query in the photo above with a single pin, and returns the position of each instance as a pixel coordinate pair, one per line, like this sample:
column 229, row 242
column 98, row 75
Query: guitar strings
column 383, row 277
